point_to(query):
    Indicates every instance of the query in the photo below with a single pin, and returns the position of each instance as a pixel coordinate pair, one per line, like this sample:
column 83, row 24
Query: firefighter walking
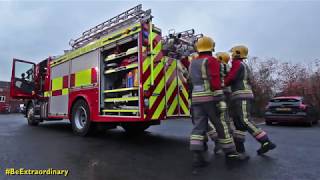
column 240, row 78
column 223, row 58
column 208, row 103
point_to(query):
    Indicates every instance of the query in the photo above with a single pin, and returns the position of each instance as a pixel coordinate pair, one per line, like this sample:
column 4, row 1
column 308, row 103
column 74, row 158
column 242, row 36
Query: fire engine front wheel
column 80, row 118
column 30, row 116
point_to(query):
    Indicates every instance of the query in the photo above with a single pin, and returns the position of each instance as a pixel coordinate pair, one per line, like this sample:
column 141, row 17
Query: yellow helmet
column 239, row 52
column 204, row 44
column 223, row 57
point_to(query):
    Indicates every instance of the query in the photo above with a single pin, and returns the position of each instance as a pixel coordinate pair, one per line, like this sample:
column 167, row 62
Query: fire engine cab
column 121, row 72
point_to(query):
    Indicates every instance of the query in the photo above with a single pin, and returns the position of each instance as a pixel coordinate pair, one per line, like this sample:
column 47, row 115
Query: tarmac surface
column 160, row 153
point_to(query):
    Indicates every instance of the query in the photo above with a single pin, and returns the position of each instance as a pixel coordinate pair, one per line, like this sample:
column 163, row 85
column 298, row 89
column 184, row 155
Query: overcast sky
column 289, row 31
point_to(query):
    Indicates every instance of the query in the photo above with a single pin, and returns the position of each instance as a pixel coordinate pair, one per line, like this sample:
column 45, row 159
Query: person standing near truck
column 207, row 102
column 240, row 79
column 223, row 58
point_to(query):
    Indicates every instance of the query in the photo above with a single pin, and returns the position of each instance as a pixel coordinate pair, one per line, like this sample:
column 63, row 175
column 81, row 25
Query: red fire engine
column 120, row 72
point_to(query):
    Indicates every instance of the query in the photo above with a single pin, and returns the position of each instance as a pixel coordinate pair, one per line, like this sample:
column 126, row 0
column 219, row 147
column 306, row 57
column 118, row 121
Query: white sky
column 286, row 30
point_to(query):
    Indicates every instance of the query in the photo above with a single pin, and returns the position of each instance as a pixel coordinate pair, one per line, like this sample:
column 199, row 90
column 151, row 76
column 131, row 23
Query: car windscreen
column 288, row 101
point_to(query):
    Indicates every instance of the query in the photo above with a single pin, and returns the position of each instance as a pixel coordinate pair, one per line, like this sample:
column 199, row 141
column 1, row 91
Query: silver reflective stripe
column 198, row 88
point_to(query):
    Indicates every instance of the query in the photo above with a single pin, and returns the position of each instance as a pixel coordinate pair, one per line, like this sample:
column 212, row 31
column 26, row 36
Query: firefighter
column 223, row 58
column 240, row 78
column 207, row 102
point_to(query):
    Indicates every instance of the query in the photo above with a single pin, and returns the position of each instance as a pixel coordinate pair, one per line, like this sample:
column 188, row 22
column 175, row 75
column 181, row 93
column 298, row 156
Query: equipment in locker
column 111, row 66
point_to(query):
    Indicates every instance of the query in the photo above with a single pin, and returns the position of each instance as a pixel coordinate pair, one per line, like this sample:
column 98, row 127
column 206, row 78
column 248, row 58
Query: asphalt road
column 161, row 153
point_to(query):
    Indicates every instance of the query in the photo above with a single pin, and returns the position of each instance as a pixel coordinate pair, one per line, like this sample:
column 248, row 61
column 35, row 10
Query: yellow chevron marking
column 185, row 93
column 170, row 71
column 182, row 104
column 146, row 64
column 157, row 49
column 160, row 108
column 156, row 73
column 172, row 106
column 184, row 107
column 160, row 85
column 171, row 88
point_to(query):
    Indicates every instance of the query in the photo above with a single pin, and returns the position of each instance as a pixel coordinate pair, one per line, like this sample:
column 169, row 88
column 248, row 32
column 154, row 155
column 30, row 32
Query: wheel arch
column 73, row 102
column 90, row 96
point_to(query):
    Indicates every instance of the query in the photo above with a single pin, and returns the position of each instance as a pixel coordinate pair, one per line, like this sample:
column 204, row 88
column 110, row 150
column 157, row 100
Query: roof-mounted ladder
column 179, row 45
column 126, row 18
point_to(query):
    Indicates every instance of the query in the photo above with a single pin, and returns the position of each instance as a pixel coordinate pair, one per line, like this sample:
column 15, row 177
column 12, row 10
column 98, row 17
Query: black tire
column 135, row 128
column 269, row 123
column 80, row 118
column 30, row 116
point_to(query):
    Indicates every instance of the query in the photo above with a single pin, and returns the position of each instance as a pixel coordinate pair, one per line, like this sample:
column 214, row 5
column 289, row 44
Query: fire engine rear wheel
column 135, row 128
column 80, row 119
column 30, row 116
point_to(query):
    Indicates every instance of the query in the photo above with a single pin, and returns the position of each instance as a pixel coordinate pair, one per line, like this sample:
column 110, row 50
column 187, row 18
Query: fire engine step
column 125, row 99
column 121, row 110
column 121, row 90
column 122, row 68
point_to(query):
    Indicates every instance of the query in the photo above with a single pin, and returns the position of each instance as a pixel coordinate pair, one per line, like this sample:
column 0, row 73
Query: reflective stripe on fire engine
column 83, row 78
column 172, row 89
column 183, row 97
column 157, row 90
column 65, row 91
column 60, row 85
column 177, row 97
column 47, row 93
column 57, row 83
column 99, row 43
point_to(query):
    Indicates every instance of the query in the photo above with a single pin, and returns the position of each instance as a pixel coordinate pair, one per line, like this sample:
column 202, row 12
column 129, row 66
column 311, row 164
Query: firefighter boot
column 235, row 156
column 265, row 147
column 217, row 148
column 241, row 149
column 198, row 162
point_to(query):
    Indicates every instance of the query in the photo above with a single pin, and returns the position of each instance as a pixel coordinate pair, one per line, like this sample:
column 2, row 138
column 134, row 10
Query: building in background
column 7, row 104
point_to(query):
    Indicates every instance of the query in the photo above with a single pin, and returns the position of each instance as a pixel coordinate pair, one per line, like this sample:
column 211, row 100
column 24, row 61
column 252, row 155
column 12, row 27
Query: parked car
column 290, row 109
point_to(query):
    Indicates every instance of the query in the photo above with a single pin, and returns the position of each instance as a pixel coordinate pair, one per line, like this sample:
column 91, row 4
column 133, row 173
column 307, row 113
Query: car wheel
column 310, row 123
column 80, row 118
column 30, row 116
column 269, row 123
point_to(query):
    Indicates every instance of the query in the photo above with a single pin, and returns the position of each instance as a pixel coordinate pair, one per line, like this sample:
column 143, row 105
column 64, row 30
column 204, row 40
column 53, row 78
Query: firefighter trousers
column 212, row 133
column 241, row 112
column 215, row 112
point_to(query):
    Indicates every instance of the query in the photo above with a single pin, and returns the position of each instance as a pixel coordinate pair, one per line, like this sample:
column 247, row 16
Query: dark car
column 290, row 109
